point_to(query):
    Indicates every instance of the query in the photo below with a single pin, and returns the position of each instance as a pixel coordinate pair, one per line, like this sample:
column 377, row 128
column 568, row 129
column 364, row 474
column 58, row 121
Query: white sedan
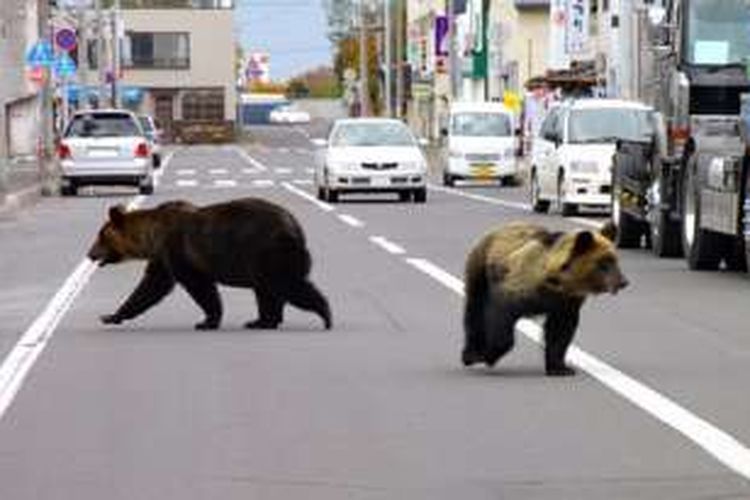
column 370, row 155
column 289, row 114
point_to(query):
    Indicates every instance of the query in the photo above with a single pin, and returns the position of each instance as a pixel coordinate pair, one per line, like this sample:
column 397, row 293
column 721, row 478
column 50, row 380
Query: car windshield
column 103, row 125
column 372, row 134
column 481, row 124
column 717, row 32
column 608, row 125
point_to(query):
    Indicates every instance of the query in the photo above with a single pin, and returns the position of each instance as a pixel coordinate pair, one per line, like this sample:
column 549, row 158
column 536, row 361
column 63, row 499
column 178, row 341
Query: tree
column 347, row 56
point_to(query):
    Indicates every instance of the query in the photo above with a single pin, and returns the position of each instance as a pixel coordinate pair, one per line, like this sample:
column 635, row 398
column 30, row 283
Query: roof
column 598, row 103
column 479, row 106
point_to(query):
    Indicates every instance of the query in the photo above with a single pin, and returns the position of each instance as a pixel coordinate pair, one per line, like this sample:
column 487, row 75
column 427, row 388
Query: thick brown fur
column 523, row 270
column 249, row 243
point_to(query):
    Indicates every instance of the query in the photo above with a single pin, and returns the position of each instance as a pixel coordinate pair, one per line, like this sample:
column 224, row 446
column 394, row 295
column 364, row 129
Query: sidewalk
column 20, row 185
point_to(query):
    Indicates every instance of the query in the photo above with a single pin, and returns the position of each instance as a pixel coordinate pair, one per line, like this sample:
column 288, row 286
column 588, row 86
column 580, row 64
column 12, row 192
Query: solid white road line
column 721, row 445
column 249, row 159
column 387, row 245
column 312, row 199
column 350, row 220
column 21, row 358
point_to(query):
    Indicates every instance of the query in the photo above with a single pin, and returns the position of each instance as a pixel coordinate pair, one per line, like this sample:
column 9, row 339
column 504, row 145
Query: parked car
column 480, row 143
column 105, row 147
column 154, row 135
column 370, row 155
column 571, row 158
column 289, row 114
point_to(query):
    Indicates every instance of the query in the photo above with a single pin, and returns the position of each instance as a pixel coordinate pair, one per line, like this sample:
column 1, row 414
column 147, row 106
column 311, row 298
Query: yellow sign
column 512, row 101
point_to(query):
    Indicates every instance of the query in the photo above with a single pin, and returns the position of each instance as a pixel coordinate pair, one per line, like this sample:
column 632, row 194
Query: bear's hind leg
column 559, row 328
column 205, row 293
column 306, row 296
column 500, row 333
column 270, row 311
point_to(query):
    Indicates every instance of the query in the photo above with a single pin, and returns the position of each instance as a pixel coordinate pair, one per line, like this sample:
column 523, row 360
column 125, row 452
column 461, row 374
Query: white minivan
column 571, row 158
column 480, row 143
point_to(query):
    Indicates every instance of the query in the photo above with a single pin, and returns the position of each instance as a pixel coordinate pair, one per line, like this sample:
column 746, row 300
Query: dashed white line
column 721, row 445
column 350, row 220
column 264, row 183
column 485, row 199
column 283, row 171
column 387, row 245
column 302, row 182
column 225, row 183
column 312, row 199
column 187, row 182
column 251, row 171
column 218, row 171
column 185, row 172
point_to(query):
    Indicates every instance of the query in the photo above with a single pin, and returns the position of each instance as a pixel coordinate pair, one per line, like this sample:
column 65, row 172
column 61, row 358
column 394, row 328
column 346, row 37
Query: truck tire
column 703, row 249
column 629, row 229
column 664, row 236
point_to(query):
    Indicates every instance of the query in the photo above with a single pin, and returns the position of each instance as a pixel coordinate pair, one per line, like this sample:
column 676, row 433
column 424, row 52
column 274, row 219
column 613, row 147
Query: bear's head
column 585, row 262
column 121, row 238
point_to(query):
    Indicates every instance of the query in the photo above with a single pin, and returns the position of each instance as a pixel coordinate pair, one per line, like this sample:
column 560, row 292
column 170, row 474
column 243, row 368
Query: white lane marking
column 387, row 245
column 310, row 170
column 187, row 182
column 264, row 183
column 312, row 199
column 21, row 358
column 283, row 171
column 303, row 182
column 721, row 445
column 225, row 183
column 586, row 222
column 282, row 150
column 258, row 166
column 185, row 171
column 218, row 171
column 350, row 220
column 485, row 199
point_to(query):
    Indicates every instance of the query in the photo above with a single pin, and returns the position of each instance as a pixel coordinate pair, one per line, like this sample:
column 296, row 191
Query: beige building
column 178, row 63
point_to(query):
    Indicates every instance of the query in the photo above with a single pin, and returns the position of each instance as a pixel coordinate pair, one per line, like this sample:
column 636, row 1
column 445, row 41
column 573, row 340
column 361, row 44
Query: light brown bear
column 249, row 243
column 524, row 270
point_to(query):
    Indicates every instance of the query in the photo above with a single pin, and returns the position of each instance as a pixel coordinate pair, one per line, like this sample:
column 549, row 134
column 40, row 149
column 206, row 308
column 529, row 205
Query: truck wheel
column 537, row 204
column 703, row 249
column 664, row 236
column 629, row 229
column 448, row 180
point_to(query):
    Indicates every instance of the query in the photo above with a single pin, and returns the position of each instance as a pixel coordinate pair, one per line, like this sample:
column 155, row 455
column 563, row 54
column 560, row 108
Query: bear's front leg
column 205, row 293
column 559, row 328
column 156, row 283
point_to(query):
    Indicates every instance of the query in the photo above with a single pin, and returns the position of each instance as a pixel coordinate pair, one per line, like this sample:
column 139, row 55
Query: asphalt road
column 379, row 407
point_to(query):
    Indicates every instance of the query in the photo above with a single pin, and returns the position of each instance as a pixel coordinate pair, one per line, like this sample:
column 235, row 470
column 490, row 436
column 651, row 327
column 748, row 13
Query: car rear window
column 145, row 123
column 103, row 125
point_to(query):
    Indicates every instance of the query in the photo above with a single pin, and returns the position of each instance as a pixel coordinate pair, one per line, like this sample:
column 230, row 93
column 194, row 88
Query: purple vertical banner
column 441, row 36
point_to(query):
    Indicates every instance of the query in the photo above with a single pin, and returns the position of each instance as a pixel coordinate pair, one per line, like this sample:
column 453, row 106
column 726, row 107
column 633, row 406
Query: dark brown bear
column 248, row 243
column 524, row 270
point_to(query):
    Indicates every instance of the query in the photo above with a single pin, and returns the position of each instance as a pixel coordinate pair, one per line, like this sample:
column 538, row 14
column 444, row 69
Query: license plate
column 103, row 153
column 483, row 169
column 380, row 181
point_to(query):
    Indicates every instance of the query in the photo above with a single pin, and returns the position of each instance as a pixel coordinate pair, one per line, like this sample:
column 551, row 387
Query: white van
column 480, row 143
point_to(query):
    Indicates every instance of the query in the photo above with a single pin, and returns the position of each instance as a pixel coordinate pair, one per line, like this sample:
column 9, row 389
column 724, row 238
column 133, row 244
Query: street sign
column 441, row 36
column 40, row 54
column 37, row 74
column 66, row 39
column 64, row 66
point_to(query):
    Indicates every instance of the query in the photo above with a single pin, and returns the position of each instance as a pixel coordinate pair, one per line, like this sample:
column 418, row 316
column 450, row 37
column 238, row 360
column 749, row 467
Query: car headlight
column 584, row 167
column 342, row 165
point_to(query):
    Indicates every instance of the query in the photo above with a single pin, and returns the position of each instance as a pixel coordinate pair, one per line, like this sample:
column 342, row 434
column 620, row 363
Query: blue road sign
column 40, row 54
column 64, row 66
column 65, row 38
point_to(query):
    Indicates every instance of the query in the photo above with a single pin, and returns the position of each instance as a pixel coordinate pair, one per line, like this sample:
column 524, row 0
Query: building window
column 143, row 50
column 203, row 105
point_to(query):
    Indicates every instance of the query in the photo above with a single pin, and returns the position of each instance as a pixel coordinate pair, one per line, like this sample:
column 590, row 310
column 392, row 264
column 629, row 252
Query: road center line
column 350, row 220
column 21, row 358
column 387, row 245
column 721, row 445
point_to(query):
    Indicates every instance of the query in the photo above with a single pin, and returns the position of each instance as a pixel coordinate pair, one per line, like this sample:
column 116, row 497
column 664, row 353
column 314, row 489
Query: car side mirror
column 320, row 143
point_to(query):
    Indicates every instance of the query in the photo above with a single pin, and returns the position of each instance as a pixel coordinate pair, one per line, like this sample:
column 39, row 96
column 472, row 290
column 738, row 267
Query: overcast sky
column 292, row 31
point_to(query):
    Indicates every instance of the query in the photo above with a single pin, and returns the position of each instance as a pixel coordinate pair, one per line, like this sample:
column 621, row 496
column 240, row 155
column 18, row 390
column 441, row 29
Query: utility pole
column 387, row 75
column 399, row 59
column 364, row 99
column 45, row 143
column 115, row 53
column 100, row 54
column 83, row 56
column 452, row 59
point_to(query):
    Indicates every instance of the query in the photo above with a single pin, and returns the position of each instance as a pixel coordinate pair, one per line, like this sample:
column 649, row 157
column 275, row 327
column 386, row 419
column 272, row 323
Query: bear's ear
column 584, row 242
column 609, row 231
column 117, row 215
